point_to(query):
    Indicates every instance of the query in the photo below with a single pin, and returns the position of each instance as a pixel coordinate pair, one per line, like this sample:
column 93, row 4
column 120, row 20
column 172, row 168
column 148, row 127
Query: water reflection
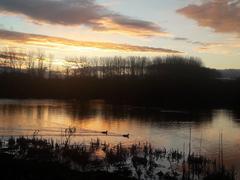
column 160, row 127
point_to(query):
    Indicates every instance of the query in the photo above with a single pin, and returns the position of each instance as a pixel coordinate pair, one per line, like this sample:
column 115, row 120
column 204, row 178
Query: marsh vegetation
column 137, row 161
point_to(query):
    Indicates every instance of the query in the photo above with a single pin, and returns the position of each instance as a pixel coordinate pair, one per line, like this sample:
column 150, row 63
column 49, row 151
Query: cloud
column 80, row 12
column 180, row 39
column 221, row 15
column 190, row 41
column 34, row 39
column 211, row 47
column 227, row 47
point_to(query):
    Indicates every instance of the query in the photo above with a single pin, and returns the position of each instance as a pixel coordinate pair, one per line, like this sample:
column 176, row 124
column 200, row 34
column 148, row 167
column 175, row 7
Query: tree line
column 40, row 64
column 161, row 81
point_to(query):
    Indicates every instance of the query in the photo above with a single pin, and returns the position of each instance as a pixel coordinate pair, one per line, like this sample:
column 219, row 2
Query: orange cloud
column 128, row 26
column 34, row 39
column 221, row 15
column 80, row 12
column 219, row 48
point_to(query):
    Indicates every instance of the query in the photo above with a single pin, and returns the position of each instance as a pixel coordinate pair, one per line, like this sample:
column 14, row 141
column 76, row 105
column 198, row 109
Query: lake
column 162, row 128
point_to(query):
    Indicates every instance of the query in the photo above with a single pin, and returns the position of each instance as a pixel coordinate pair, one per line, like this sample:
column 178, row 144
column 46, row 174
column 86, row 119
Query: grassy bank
column 34, row 158
column 14, row 168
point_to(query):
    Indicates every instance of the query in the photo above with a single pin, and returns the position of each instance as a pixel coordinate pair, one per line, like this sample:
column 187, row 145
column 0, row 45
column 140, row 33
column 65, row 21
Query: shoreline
column 20, row 155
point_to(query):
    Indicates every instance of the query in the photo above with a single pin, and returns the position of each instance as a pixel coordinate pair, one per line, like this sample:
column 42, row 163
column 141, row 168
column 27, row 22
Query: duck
column 105, row 132
column 126, row 135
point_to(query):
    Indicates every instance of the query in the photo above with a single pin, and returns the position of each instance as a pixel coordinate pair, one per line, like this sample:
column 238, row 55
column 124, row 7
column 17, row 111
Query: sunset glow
column 125, row 28
column 120, row 89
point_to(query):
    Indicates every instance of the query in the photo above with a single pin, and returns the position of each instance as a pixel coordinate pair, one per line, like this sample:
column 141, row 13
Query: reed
column 136, row 160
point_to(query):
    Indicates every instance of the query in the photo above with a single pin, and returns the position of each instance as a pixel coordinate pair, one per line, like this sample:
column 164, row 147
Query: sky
column 208, row 29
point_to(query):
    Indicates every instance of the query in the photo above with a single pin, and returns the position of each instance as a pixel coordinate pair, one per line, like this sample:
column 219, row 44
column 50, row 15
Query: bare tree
column 30, row 62
column 40, row 59
column 50, row 61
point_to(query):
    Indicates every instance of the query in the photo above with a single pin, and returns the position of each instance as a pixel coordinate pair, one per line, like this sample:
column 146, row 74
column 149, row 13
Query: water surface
column 166, row 128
